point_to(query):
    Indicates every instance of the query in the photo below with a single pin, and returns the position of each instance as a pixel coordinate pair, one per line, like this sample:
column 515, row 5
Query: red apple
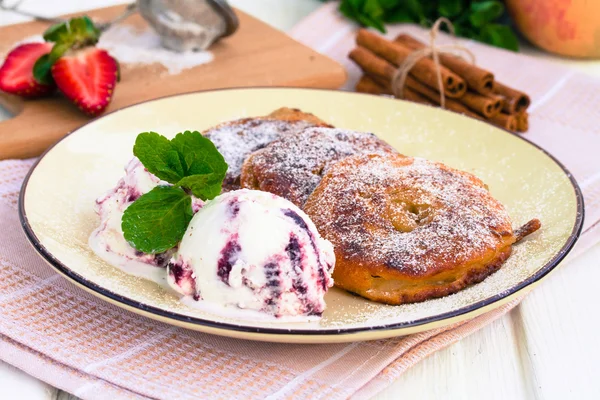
column 566, row 27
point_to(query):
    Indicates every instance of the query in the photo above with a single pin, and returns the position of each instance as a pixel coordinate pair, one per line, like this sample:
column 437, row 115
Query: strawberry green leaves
column 157, row 220
column 73, row 34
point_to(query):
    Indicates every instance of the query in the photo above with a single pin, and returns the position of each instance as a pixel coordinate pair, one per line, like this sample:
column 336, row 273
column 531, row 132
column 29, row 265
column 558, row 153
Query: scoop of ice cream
column 254, row 250
column 107, row 240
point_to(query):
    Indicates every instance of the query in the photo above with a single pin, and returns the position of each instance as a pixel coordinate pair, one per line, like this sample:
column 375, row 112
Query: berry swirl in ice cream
column 254, row 250
column 107, row 240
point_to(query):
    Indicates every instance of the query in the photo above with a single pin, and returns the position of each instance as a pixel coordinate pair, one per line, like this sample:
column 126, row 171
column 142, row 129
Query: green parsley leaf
column 157, row 221
column 159, row 156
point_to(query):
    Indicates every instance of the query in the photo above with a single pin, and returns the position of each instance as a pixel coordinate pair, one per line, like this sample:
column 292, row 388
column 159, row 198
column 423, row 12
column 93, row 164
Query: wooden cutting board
column 256, row 55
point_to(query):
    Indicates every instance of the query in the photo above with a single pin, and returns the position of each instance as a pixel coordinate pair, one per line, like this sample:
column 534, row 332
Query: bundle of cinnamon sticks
column 468, row 89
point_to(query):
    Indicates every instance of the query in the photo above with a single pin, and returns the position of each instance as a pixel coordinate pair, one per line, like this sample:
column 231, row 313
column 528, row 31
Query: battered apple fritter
column 235, row 140
column 292, row 166
column 407, row 229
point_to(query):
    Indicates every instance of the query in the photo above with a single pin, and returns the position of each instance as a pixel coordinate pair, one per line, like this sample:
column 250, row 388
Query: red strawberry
column 16, row 74
column 87, row 77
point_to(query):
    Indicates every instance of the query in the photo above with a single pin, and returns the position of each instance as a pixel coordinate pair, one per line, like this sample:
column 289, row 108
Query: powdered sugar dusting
column 292, row 166
column 236, row 140
column 422, row 216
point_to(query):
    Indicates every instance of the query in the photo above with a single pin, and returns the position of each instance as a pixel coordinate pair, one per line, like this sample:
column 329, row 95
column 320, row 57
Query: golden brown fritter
column 235, row 140
column 408, row 230
column 292, row 166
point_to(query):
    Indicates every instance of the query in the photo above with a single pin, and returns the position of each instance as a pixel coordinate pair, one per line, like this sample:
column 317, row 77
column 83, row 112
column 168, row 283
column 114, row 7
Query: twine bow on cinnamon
column 433, row 51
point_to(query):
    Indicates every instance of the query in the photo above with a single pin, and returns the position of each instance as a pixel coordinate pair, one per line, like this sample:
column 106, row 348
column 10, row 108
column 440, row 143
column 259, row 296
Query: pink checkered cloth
column 68, row 338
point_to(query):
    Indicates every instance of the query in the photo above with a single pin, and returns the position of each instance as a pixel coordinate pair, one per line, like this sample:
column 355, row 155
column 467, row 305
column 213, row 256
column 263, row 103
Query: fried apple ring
column 407, row 229
column 235, row 140
column 292, row 166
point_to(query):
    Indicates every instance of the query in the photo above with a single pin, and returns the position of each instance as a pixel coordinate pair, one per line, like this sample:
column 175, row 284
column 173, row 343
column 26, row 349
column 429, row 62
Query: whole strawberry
column 87, row 77
column 16, row 74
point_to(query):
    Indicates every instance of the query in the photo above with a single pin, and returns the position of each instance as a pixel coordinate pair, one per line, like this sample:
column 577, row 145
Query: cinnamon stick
column 522, row 121
column 506, row 121
column 371, row 64
column 368, row 85
column 434, row 97
column 486, row 106
column 515, row 101
column 477, row 79
column 424, row 70
column 380, row 72
column 375, row 85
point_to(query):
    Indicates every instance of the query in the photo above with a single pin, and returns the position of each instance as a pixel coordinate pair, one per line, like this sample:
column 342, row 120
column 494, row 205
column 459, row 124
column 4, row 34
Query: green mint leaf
column 399, row 15
column 205, row 187
column 159, row 156
column 450, row 8
column 157, row 221
column 389, row 4
column 366, row 12
column 499, row 36
column 200, row 159
column 416, row 10
column 485, row 12
column 366, row 21
column 373, row 9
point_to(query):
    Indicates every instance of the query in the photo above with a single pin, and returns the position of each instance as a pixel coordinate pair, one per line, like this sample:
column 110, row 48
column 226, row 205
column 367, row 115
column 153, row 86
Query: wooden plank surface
column 256, row 55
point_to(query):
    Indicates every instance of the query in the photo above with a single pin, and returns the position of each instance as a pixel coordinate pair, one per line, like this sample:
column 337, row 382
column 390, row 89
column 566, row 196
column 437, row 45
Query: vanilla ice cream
column 107, row 240
column 254, row 250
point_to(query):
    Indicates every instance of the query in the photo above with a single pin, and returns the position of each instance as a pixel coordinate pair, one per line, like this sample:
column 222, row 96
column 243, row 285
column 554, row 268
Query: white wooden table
column 547, row 348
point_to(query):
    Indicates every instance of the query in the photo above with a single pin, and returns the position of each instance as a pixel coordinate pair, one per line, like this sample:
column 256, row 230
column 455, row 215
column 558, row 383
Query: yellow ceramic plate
column 57, row 206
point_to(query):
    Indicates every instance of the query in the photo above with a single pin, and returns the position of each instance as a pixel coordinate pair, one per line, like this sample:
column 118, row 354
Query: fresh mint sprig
column 157, row 220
